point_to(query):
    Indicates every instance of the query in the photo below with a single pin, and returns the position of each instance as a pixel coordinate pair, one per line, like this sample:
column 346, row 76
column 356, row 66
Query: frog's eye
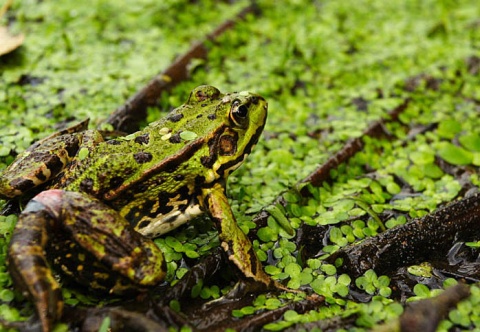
column 238, row 113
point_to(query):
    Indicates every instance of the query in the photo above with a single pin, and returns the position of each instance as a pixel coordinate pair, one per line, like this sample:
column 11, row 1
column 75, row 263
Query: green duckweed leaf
column 421, row 291
column 105, row 326
column 470, row 141
column 266, row 234
column 454, row 154
column 449, row 128
column 83, row 153
column 188, row 135
column 4, row 151
column 422, row 157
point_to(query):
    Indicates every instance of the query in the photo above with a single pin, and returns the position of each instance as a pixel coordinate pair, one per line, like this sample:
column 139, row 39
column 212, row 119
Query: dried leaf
column 9, row 43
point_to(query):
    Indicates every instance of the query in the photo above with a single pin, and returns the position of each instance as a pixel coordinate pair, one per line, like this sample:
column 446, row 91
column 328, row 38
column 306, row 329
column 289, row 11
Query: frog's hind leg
column 45, row 159
column 28, row 266
column 95, row 229
column 38, row 164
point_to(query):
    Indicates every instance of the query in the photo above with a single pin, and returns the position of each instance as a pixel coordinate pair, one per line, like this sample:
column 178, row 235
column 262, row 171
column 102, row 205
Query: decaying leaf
column 9, row 43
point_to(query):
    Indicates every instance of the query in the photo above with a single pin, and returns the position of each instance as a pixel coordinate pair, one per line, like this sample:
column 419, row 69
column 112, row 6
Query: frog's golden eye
column 238, row 113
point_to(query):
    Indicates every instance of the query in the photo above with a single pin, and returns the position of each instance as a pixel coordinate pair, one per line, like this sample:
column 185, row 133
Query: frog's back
column 158, row 174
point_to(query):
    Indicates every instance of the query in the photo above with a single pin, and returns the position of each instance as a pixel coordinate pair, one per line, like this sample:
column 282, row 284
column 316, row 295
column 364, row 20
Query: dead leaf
column 8, row 43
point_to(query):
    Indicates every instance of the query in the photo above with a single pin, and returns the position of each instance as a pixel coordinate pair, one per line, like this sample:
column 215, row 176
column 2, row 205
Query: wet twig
column 127, row 117
column 417, row 241
column 376, row 129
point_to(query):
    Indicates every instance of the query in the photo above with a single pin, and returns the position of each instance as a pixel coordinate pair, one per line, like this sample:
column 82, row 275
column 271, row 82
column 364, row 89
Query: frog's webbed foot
column 92, row 229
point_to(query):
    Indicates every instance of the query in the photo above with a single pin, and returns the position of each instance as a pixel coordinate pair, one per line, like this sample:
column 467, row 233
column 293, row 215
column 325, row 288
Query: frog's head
column 235, row 122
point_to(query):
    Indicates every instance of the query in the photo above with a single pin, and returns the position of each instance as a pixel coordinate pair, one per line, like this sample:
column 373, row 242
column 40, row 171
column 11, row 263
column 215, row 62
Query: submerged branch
column 417, row 241
column 376, row 129
column 126, row 117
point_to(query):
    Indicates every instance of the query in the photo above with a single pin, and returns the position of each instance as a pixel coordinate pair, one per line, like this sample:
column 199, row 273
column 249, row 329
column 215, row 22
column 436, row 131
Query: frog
column 96, row 204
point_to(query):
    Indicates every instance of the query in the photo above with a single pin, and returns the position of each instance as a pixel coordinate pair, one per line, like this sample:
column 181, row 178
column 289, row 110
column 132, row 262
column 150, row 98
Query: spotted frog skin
column 103, row 201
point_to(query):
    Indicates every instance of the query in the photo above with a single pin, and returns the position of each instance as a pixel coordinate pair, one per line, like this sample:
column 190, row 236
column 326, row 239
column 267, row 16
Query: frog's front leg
column 238, row 247
column 85, row 224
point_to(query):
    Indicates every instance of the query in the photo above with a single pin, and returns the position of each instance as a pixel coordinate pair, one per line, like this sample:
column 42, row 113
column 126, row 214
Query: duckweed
column 343, row 66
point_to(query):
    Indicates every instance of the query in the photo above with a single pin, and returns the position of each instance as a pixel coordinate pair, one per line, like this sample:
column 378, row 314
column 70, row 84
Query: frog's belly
column 154, row 227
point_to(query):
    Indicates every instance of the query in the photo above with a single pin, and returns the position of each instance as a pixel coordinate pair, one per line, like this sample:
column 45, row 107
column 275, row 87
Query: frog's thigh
column 94, row 227
column 101, row 231
column 104, row 233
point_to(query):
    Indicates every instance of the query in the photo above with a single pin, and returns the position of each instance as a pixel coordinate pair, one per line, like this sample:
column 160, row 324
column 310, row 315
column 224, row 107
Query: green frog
column 104, row 200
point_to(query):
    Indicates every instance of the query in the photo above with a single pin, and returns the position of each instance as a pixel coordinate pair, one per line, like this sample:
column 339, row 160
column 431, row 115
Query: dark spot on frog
column 115, row 182
column 142, row 139
column 162, row 207
column 148, row 252
column 143, row 223
column 171, row 168
column 54, row 164
column 128, row 171
column 39, row 175
column 163, row 199
column 51, row 161
column 86, row 185
column 228, row 145
column 209, row 160
column 146, row 208
column 184, row 193
column 22, row 184
column 142, row 157
column 212, row 116
column 175, row 138
column 71, row 145
column 114, row 142
column 204, row 95
column 175, row 117
column 203, row 105
column 199, row 180
column 182, row 207
column 142, row 187
column 178, row 177
column 199, row 116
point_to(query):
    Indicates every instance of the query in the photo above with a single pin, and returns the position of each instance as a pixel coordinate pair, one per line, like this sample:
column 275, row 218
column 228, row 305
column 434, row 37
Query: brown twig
column 353, row 146
column 414, row 242
column 425, row 315
column 126, row 117
column 255, row 322
column 322, row 173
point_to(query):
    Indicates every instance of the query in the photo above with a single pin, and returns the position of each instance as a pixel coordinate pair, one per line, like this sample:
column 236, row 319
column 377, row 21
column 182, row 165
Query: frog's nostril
column 254, row 100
